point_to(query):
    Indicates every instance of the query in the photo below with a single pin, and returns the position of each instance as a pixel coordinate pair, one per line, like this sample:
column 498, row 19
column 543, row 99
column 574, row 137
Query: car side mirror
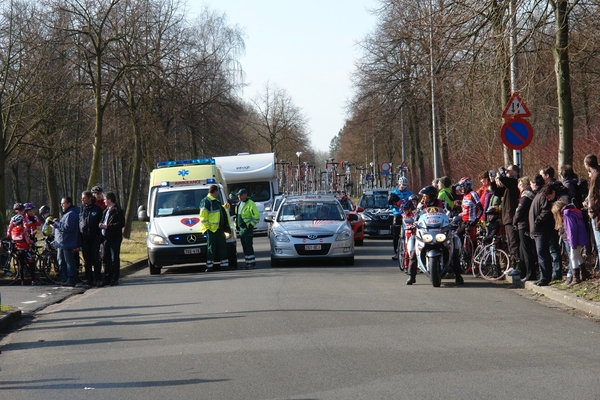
column 360, row 209
column 352, row 217
column 268, row 218
column 142, row 214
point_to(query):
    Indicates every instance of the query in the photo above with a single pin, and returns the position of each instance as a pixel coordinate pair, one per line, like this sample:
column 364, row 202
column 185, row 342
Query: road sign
column 385, row 168
column 516, row 133
column 515, row 107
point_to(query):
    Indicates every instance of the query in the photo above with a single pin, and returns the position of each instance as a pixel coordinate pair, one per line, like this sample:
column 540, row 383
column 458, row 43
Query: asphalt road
column 301, row 332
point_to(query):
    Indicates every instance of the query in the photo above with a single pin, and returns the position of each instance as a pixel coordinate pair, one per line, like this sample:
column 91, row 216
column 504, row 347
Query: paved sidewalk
column 26, row 300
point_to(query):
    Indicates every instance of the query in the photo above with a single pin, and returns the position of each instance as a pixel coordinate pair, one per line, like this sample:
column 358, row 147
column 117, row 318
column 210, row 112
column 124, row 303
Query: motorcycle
column 436, row 245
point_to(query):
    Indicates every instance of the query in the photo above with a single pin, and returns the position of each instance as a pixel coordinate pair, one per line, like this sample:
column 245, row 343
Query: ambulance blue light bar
column 177, row 163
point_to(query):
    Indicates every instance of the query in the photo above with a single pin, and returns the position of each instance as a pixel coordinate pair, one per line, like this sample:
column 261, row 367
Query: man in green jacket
column 247, row 218
column 214, row 221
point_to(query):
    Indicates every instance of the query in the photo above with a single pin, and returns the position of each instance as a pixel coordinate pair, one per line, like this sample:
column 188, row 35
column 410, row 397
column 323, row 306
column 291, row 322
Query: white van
column 257, row 173
column 173, row 213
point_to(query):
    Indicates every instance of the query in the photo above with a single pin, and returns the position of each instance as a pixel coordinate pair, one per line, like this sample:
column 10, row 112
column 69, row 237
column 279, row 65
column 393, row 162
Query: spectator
column 66, row 241
column 510, row 201
column 215, row 221
column 593, row 198
column 90, row 216
column 570, row 180
column 113, row 221
column 445, row 191
column 527, row 267
column 548, row 174
column 98, row 194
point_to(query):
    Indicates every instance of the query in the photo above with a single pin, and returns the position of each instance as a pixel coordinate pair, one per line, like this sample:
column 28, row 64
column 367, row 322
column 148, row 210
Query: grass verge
column 134, row 248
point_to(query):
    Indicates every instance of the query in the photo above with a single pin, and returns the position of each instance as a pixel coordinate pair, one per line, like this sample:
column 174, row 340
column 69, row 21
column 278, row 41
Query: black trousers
column 91, row 258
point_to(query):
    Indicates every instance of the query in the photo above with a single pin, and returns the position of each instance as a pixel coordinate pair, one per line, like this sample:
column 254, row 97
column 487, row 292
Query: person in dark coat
column 527, row 267
column 90, row 216
column 113, row 221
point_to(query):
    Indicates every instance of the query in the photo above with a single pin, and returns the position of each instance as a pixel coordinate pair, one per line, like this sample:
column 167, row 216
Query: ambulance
column 173, row 215
column 257, row 173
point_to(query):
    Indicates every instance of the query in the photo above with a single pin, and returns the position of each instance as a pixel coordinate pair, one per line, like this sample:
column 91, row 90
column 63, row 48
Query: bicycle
column 491, row 261
column 465, row 256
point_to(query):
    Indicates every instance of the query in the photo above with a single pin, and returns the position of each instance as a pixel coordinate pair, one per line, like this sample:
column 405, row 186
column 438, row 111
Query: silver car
column 311, row 227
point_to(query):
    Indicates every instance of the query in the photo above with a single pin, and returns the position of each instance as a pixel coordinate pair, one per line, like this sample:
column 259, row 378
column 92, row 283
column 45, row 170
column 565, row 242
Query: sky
column 307, row 47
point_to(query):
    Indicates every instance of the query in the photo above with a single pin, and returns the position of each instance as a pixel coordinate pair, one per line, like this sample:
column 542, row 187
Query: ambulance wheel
column 154, row 270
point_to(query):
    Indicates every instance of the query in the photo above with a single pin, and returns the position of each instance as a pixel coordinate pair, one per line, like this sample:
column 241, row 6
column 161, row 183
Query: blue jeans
column 66, row 263
column 597, row 237
column 542, row 246
column 555, row 254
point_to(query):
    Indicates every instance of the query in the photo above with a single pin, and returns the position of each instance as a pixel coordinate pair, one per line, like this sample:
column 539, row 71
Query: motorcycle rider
column 430, row 199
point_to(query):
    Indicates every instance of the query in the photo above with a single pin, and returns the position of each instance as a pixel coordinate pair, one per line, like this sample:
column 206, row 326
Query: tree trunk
column 563, row 83
column 51, row 181
column 131, row 208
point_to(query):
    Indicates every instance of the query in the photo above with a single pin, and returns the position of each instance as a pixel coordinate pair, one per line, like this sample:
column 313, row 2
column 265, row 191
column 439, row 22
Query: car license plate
column 384, row 232
column 308, row 247
column 197, row 250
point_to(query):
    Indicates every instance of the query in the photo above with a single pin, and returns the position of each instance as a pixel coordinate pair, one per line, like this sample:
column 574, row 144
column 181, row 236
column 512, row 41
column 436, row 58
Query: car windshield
column 180, row 202
column 375, row 200
column 346, row 204
column 310, row 211
column 257, row 191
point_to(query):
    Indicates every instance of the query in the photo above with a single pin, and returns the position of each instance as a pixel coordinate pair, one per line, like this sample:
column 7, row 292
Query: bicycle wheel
column 466, row 254
column 476, row 259
column 11, row 268
column 494, row 264
column 47, row 269
column 400, row 253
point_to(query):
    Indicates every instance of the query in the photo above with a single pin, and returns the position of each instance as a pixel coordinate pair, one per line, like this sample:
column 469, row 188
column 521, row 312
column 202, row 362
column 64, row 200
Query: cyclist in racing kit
column 430, row 199
column 397, row 196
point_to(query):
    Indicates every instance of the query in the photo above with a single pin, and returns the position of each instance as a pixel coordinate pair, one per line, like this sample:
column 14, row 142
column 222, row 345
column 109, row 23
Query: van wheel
column 154, row 270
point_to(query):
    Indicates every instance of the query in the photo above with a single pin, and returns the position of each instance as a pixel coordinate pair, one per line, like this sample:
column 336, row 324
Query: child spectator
column 569, row 222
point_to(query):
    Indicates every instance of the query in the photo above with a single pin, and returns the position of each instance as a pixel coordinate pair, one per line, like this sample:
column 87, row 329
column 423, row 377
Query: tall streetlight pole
column 514, row 65
column 298, row 153
column 433, row 107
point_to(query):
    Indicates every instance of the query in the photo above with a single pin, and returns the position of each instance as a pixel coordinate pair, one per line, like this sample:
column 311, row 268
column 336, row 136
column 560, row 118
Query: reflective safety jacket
column 210, row 214
column 248, row 215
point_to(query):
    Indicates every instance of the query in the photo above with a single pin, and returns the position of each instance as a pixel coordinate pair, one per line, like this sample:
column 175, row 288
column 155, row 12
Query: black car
column 374, row 208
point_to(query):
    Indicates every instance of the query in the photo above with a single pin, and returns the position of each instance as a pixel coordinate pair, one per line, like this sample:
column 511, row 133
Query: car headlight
column 228, row 235
column 156, row 239
column 366, row 217
column 344, row 235
column 440, row 237
column 280, row 236
column 427, row 237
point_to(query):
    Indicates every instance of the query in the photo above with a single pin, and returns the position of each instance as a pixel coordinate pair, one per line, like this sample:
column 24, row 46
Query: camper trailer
column 257, row 173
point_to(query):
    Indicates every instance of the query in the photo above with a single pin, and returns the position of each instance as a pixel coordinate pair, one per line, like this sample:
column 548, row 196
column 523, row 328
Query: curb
column 568, row 299
column 15, row 314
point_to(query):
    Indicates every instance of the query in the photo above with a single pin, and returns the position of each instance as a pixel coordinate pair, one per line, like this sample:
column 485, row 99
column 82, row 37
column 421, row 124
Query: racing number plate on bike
column 197, row 250
column 384, row 232
column 308, row 247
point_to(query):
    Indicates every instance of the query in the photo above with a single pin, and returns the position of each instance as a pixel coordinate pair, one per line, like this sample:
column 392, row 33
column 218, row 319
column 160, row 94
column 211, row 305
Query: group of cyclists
column 530, row 215
column 22, row 230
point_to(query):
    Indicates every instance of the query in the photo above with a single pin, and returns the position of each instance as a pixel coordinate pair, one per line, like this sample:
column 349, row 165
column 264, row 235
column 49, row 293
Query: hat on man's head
column 242, row 191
